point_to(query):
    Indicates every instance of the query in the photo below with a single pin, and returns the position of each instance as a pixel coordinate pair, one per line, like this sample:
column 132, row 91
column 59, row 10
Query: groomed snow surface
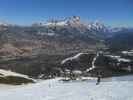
column 119, row 88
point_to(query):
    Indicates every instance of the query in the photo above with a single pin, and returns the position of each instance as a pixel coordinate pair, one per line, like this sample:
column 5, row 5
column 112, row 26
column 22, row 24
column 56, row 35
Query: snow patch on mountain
column 129, row 53
column 119, row 58
column 72, row 58
column 93, row 62
column 8, row 73
column 74, row 21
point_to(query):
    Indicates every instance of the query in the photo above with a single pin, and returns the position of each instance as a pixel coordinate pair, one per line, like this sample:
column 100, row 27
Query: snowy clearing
column 57, row 90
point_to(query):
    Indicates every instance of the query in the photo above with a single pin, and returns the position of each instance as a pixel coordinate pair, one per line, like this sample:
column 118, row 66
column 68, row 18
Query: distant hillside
column 121, row 41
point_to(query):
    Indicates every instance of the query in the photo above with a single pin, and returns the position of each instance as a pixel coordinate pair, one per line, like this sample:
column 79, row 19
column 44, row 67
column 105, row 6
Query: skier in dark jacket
column 98, row 79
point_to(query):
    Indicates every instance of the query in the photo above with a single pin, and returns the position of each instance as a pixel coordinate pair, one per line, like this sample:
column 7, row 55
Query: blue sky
column 25, row 12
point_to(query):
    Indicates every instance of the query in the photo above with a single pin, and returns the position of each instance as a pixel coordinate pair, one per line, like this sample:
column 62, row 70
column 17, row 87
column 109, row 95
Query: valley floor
column 117, row 88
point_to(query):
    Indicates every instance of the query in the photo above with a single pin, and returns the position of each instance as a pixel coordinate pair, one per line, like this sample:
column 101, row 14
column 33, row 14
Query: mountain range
column 41, row 47
column 68, row 33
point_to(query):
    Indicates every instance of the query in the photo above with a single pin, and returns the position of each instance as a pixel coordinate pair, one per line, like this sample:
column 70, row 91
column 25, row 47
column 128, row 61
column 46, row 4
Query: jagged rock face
column 74, row 25
column 74, row 22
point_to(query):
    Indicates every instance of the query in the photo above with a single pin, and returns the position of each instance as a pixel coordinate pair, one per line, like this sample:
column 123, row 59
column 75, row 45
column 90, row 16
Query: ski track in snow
column 93, row 62
column 55, row 90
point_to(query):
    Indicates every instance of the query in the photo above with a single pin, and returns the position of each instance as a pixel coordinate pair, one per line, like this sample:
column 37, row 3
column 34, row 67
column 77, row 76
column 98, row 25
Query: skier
column 98, row 79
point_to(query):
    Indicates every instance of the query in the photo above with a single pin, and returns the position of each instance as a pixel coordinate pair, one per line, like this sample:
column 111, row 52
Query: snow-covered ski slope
column 119, row 88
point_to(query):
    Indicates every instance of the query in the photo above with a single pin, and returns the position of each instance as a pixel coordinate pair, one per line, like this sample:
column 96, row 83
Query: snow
column 93, row 62
column 10, row 73
column 72, row 58
column 4, row 73
column 74, row 21
column 49, row 34
column 117, row 88
column 123, row 59
column 77, row 72
column 59, row 23
column 4, row 24
column 119, row 58
column 130, row 52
